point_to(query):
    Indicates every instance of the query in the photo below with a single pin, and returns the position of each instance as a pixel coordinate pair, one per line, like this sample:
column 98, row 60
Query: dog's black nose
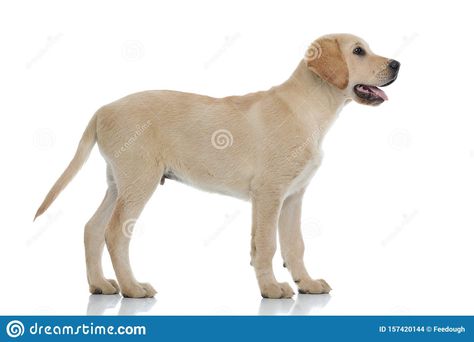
column 394, row 65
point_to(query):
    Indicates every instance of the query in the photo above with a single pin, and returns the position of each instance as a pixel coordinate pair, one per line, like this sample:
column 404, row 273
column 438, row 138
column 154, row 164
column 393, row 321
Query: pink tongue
column 378, row 92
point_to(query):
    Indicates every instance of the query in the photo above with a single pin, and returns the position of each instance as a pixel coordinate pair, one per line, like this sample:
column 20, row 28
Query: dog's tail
column 82, row 153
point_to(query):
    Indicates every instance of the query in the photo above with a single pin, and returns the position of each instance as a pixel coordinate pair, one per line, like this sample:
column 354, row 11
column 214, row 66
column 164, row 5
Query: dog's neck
column 314, row 96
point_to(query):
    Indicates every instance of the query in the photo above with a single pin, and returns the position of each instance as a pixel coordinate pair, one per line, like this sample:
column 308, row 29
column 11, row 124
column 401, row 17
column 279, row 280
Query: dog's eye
column 358, row 51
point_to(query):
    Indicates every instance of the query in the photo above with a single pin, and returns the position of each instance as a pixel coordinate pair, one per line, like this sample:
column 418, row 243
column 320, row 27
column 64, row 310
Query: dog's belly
column 238, row 187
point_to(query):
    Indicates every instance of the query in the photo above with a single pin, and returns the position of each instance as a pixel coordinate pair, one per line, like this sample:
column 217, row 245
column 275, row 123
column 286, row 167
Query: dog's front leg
column 266, row 210
column 292, row 246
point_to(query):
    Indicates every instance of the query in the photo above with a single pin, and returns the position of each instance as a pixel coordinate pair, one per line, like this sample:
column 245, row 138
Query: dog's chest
column 305, row 173
column 306, row 158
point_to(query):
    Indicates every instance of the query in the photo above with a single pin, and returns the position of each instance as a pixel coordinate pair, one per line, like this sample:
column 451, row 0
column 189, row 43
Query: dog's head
column 346, row 62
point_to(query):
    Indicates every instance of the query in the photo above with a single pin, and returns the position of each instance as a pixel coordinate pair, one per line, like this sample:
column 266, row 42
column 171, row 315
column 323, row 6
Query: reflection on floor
column 128, row 306
column 304, row 304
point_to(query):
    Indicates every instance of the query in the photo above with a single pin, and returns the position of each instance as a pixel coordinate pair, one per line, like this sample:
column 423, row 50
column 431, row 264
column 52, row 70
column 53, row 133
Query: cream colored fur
column 263, row 147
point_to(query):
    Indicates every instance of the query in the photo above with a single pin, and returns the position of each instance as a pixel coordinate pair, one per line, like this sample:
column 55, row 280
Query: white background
column 388, row 218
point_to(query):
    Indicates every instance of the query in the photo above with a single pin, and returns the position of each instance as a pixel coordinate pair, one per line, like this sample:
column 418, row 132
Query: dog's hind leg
column 134, row 190
column 94, row 241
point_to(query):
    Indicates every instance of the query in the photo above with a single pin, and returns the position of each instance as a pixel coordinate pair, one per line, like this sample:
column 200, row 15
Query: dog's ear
column 324, row 57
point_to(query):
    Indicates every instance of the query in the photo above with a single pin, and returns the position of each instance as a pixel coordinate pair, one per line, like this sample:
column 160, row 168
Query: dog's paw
column 106, row 287
column 313, row 286
column 277, row 290
column 139, row 290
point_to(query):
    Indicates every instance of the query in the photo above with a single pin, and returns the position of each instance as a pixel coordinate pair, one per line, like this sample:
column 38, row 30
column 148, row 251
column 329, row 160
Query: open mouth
column 372, row 94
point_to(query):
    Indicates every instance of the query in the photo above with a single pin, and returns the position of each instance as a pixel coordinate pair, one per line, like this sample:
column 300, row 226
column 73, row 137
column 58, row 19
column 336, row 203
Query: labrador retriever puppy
column 263, row 147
